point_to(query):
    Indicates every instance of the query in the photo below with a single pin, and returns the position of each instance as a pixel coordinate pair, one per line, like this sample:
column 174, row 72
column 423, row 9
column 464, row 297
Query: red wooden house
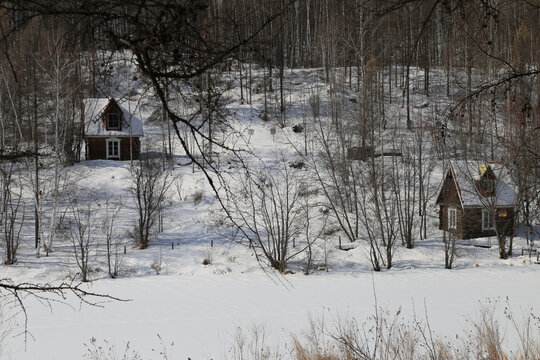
column 110, row 131
column 476, row 199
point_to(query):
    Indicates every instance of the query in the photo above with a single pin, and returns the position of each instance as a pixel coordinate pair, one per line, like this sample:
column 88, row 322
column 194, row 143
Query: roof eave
column 458, row 189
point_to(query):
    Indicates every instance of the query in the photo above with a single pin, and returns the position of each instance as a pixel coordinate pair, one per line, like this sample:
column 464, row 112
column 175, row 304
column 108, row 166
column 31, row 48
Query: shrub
column 157, row 264
column 198, row 195
column 297, row 128
column 299, row 164
column 208, row 256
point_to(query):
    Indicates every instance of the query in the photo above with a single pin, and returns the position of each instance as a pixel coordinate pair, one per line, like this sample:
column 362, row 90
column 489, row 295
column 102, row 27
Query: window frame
column 110, row 142
column 488, row 187
column 486, row 215
column 118, row 120
column 452, row 218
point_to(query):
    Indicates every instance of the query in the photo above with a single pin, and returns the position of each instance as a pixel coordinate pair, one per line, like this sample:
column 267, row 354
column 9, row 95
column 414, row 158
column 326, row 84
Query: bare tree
column 522, row 152
column 61, row 68
column 48, row 294
column 379, row 211
column 314, row 224
column 7, row 326
column 337, row 172
column 265, row 206
column 150, row 183
column 82, row 225
column 113, row 239
column 450, row 249
column 425, row 163
column 12, row 211
column 404, row 176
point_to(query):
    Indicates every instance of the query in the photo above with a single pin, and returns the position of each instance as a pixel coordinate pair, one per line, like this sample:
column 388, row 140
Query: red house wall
column 473, row 223
column 469, row 222
column 97, row 148
column 443, row 221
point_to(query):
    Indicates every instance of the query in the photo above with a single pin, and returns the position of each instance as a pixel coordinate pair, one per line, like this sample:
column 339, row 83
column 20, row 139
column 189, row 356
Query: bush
column 134, row 235
column 297, row 128
column 157, row 264
column 198, row 195
column 299, row 164
column 208, row 256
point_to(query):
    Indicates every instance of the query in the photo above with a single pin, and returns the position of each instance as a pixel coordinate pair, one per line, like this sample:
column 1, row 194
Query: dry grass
column 387, row 337
column 383, row 336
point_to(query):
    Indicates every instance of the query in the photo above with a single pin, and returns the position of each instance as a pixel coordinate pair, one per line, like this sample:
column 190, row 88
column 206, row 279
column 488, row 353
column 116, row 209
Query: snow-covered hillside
column 194, row 287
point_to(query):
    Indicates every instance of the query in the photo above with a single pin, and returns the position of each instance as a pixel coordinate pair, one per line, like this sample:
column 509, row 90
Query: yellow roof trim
column 482, row 169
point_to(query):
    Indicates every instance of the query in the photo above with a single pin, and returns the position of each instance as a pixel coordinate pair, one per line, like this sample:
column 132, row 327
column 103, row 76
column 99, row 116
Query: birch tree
column 58, row 71
column 12, row 210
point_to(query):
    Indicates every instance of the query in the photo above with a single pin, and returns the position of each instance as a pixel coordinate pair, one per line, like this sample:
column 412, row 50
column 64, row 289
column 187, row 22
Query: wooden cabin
column 476, row 199
column 110, row 131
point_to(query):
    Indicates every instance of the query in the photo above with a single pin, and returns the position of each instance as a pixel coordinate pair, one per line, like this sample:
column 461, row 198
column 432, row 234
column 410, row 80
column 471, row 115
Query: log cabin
column 476, row 199
column 110, row 131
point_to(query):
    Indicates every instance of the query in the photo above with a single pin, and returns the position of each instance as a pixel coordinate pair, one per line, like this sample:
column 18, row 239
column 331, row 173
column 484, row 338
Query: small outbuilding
column 110, row 131
column 476, row 199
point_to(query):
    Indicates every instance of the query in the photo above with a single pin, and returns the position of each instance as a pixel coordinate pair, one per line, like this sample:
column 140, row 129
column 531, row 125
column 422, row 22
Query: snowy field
column 200, row 307
column 200, row 313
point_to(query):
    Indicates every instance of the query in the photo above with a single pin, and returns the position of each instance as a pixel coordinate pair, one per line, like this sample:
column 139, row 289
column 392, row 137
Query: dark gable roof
column 93, row 124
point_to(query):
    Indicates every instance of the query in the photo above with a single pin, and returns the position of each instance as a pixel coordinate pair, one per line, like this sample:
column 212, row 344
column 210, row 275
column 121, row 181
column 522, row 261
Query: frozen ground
column 200, row 313
column 199, row 307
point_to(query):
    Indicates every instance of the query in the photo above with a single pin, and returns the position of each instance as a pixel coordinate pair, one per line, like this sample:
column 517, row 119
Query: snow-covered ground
column 200, row 313
column 199, row 307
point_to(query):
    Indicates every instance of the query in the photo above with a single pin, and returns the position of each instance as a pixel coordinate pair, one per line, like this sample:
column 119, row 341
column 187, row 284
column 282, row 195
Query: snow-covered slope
column 199, row 307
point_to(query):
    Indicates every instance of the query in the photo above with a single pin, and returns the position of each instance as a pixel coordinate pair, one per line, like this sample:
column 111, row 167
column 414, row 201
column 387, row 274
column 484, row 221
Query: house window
column 488, row 185
column 113, row 121
column 503, row 213
column 452, row 218
column 113, row 149
column 487, row 221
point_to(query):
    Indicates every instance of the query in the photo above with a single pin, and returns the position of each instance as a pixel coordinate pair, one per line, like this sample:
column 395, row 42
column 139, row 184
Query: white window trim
column 486, row 214
column 452, row 214
column 109, row 140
